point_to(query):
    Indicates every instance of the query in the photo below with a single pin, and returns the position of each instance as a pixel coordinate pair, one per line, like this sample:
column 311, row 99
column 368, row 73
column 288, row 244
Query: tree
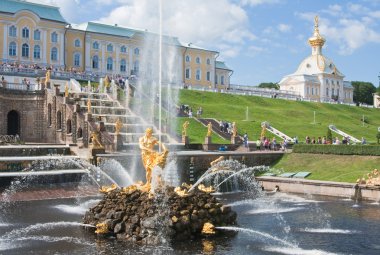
column 269, row 85
column 363, row 92
column 329, row 136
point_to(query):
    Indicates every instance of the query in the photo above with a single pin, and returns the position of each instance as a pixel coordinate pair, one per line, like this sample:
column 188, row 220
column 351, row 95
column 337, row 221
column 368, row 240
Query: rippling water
column 274, row 224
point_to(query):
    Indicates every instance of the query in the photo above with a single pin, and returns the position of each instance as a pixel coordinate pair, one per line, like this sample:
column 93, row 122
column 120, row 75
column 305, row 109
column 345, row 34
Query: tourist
column 190, row 114
column 245, row 139
column 324, row 141
column 274, row 143
column 319, row 141
column 364, row 141
column 258, row 144
column 284, row 144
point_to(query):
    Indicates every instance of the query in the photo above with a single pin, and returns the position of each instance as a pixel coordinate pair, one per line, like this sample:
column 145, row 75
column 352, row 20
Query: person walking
column 245, row 139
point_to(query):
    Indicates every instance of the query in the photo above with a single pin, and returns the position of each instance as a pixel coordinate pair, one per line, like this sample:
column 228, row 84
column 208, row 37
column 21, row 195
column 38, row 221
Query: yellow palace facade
column 38, row 34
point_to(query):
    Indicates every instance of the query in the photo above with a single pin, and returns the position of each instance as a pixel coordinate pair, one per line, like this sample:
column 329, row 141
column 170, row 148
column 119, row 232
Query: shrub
column 370, row 150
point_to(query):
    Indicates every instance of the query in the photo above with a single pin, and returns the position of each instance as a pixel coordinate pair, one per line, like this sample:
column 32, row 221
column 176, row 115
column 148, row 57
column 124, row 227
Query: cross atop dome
column 316, row 41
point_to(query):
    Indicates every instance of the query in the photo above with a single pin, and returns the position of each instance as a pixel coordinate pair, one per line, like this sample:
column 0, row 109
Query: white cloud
column 255, row 50
column 284, row 28
column 333, row 10
column 350, row 34
column 191, row 21
column 258, row 2
column 357, row 8
column 375, row 14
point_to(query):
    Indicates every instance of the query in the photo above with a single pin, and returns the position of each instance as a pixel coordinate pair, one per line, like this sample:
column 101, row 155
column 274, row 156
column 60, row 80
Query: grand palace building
column 317, row 78
column 38, row 34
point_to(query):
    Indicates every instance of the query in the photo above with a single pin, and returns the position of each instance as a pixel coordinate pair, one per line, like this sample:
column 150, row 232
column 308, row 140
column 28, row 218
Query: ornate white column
column 103, row 67
column 87, row 55
column 5, row 41
column 62, row 49
column 44, row 50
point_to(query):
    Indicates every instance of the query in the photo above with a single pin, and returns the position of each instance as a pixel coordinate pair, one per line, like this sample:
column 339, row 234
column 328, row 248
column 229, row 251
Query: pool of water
column 273, row 224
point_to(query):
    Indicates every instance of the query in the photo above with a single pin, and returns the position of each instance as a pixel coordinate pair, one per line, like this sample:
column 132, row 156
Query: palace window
column 123, row 65
column 208, row 75
column 25, row 32
column 216, row 79
column 123, row 49
column 12, row 49
column 222, row 79
column 37, row 52
column 37, row 35
column 25, row 50
column 109, row 64
column 187, row 73
column 332, row 91
column 327, row 91
column 109, row 47
column 95, row 62
column 198, row 60
column 208, row 61
column 54, row 37
column 77, row 43
column 54, row 54
column 198, row 75
column 187, row 58
column 312, row 91
column 95, row 45
column 76, row 59
column 13, row 31
column 137, row 51
column 136, row 67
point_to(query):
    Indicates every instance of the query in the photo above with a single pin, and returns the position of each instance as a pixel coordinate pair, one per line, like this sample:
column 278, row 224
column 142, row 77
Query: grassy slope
column 197, row 132
column 329, row 167
column 291, row 117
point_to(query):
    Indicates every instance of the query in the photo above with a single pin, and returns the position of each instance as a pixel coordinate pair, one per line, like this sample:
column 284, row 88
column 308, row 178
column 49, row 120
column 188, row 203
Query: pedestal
column 88, row 117
column 234, row 139
column 119, row 142
column 56, row 86
column 66, row 100
column 208, row 140
column 185, row 139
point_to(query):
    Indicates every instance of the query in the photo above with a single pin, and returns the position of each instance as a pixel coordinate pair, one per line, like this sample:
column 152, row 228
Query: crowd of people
column 335, row 140
column 225, row 127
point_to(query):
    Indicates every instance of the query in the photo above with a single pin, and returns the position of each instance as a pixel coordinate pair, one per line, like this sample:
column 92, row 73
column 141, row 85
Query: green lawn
column 337, row 168
column 294, row 118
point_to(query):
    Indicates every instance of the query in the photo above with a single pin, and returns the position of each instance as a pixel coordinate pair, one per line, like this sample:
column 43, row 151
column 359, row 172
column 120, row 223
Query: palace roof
column 43, row 11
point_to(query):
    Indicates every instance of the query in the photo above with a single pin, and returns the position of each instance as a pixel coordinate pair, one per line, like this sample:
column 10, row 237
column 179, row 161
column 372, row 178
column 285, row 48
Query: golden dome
column 316, row 39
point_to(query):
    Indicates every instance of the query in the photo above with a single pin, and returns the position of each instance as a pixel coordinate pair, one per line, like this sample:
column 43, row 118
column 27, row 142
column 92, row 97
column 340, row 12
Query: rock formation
column 133, row 215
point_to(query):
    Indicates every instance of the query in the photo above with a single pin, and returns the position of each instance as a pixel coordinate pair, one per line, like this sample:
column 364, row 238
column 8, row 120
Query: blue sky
column 261, row 40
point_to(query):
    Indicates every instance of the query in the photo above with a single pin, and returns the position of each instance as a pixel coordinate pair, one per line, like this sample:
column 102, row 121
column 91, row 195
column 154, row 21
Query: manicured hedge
column 370, row 150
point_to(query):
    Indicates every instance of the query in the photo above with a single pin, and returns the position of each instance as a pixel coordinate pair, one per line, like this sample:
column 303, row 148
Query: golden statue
column 208, row 229
column 88, row 106
column 107, row 189
column 373, row 179
column 205, row 189
column 95, row 138
column 263, row 130
column 149, row 156
column 101, row 228
column 118, row 126
column 107, row 82
column 184, row 128
column 234, row 129
column 66, row 90
column 47, row 76
column 209, row 129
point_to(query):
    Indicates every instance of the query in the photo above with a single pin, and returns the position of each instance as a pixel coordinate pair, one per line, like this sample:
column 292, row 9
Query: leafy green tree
column 329, row 136
column 269, row 85
column 378, row 137
column 363, row 92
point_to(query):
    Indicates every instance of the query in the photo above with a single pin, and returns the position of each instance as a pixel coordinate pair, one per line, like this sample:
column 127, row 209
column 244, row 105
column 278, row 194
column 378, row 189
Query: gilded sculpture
column 47, row 77
column 95, row 138
column 66, row 90
column 88, row 106
column 234, row 129
column 150, row 157
column 209, row 129
column 184, row 128
column 118, row 126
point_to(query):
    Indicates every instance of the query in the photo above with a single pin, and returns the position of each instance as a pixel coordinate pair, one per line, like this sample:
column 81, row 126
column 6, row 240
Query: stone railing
column 19, row 86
